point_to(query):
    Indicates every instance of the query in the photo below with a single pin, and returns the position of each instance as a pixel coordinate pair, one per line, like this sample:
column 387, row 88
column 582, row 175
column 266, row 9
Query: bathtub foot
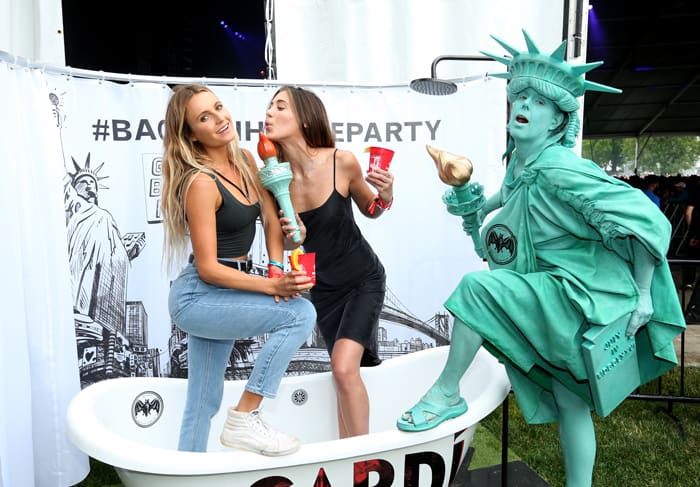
column 248, row 431
column 426, row 414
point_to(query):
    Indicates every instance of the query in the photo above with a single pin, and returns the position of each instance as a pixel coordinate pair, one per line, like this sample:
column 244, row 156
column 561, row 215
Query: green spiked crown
column 548, row 68
column 552, row 77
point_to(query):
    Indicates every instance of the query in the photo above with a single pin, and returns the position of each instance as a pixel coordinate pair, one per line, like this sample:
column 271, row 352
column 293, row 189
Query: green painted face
column 532, row 117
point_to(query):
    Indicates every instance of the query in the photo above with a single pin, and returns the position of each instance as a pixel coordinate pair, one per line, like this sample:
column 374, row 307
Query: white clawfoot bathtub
column 133, row 425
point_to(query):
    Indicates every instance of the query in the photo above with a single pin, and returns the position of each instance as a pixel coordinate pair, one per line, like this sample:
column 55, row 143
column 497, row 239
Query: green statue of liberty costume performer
column 570, row 248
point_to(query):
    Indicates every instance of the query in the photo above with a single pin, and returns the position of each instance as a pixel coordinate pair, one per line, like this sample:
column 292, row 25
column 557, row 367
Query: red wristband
column 378, row 201
column 274, row 271
column 383, row 204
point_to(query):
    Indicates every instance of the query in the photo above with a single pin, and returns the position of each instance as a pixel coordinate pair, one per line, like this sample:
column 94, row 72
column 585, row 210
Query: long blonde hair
column 183, row 158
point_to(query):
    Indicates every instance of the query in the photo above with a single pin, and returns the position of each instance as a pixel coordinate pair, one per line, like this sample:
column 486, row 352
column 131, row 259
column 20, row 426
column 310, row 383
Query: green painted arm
column 644, row 265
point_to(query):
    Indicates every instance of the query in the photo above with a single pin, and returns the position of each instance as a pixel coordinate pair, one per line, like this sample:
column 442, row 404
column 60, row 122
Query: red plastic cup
column 379, row 157
column 307, row 263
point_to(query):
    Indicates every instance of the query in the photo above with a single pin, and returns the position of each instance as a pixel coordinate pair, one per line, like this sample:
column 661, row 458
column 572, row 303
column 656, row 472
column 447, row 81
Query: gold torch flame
column 452, row 169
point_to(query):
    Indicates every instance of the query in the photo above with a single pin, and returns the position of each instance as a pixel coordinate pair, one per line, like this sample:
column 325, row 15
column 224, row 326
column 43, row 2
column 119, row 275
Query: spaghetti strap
column 334, row 152
column 244, row 193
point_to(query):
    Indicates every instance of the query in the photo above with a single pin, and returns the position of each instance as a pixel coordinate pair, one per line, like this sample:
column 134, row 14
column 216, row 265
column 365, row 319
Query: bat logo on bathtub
column 147, row 408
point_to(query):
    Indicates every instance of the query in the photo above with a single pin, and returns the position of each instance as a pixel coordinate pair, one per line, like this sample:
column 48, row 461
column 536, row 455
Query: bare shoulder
column 199, row 181
column 349, row 174
column 346, row 160
column 199, row 177
column 200, row 188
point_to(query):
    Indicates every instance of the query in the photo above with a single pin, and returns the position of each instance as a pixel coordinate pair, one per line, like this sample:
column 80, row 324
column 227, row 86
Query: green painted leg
column 464, row 343
column 442, row 401
column 577, row 436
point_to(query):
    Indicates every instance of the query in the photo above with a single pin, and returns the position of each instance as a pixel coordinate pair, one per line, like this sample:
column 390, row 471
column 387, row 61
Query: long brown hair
column 311, row 116
column 183, row 158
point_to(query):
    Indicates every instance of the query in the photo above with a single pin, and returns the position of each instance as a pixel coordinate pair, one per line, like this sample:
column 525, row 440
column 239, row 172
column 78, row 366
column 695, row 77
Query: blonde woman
column 212, row 198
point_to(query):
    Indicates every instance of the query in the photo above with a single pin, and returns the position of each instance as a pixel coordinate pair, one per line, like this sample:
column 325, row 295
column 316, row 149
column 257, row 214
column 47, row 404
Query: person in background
column 212, row 199
column 678, row 193
column 649, row 186
column 569, row 247
column 692, row 238
column 350, row 279
column 691, row 213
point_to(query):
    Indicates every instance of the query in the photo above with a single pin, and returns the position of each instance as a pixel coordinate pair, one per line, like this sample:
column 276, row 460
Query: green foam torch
column 465, row 198
column 275, row 177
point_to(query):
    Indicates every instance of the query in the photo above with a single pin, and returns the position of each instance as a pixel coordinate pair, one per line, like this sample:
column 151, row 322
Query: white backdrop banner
column 111, row 135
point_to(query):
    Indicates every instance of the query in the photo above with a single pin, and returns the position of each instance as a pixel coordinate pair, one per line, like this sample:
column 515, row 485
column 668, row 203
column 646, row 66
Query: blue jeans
column 214, row 317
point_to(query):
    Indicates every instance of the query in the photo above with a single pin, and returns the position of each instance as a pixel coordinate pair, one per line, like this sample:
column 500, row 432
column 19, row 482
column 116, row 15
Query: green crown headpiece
column 550, row 68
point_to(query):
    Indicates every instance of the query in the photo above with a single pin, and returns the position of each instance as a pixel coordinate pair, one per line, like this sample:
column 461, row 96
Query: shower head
column 440, row 87
column 433, row 86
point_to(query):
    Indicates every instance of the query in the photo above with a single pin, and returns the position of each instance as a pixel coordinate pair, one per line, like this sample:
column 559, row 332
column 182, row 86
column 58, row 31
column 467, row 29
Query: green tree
column 662, row 155
column 668, row 155
column 613, row 155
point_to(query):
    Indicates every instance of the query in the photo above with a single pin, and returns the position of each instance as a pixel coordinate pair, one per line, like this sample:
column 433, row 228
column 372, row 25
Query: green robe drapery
column 560, row 254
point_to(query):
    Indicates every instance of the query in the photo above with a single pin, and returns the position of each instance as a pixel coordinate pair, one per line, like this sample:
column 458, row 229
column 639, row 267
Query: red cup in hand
column 379, row 157
column 306, row 262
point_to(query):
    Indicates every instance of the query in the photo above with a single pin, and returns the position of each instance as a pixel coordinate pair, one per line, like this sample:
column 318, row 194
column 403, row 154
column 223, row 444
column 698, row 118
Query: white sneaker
column 247, row 431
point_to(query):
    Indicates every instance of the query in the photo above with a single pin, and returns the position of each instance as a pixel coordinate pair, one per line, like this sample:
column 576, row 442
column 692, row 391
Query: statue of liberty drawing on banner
column 99, row 259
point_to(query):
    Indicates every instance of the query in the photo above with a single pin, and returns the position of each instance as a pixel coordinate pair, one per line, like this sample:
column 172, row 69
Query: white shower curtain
column 395, row 41
column 38, row 363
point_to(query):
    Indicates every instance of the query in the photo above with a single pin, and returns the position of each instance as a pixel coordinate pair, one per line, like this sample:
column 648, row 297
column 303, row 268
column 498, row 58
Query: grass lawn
column 641, row 443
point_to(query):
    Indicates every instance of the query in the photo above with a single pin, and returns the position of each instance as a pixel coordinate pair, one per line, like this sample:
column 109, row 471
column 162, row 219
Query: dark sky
column 156, row 37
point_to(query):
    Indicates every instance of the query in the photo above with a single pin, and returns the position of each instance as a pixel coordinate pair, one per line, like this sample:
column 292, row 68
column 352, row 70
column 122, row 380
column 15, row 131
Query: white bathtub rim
column 120, row 452
column 130, row 455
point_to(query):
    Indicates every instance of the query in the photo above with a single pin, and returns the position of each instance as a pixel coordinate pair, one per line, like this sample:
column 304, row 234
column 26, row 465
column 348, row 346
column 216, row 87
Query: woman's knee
column 306, row 315
column 296, row 320
column 344, row 374
column 345, row 362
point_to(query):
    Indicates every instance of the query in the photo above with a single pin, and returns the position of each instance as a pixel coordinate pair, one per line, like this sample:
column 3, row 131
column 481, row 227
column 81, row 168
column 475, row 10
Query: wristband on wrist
column 276, row 263
column 378, row 201
column 273, row 271
column 383, row 204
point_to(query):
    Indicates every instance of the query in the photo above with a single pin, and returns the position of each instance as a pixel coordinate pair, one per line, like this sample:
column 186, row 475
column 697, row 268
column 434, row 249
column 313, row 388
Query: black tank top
column 343, row 256
column 235, row 224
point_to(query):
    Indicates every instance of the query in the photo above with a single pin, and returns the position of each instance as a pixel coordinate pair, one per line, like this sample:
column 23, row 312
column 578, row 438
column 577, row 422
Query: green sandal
column 415, row 418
